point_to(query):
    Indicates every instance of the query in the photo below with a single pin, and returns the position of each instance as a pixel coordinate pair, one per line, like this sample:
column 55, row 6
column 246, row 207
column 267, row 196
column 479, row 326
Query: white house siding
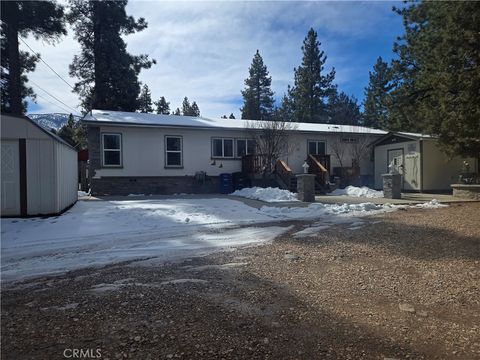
column 143, row 152
column 411, row 162
column 439, row 172
column 66, row 176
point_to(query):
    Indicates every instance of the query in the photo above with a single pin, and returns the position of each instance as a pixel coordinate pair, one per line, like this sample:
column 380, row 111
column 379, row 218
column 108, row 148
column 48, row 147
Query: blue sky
column 203, row 49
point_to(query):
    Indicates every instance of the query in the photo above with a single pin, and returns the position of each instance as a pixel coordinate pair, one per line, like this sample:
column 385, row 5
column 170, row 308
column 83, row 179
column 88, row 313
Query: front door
column 395, row 162
column 10, row 178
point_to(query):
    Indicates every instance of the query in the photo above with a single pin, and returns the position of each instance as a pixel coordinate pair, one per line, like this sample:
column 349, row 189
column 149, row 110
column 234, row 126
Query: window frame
column 316, row 146
column 120, row 150
column 166, row 152
column 246, row 140
column 213, row 156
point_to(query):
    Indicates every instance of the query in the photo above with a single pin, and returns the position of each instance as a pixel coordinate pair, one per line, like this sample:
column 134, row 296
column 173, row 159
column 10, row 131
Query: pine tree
column 343, row 109
column 311, row 88
column 223, row 116
column 438, row 74
column 163, row 107
column 377, row 95
column 74, row 133
column 257, row 96
column 186, row 107
column 177, row 112
column 145, row 100
column 108, row 73
column 231, row 116
column 194, row 110
column 43, row 19
column 286, row 110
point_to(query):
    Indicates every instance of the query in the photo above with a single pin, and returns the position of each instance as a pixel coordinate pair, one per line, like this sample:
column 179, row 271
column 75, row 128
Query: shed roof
column 49, row 133
column 403, row 135
column 106, row 117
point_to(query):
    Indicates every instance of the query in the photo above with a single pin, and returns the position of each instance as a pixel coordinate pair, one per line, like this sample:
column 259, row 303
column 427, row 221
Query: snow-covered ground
column 94, row 233
column 266, row 194
column 355, row 191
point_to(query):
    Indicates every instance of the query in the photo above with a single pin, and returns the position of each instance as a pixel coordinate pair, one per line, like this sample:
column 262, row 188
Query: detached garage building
column 425, row 168
column 39, row 169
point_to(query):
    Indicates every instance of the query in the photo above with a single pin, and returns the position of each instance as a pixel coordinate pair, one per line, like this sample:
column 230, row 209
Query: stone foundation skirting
column 153, row 185
column 466, row 191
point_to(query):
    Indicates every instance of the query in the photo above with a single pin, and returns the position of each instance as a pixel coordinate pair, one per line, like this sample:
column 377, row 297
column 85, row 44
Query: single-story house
column 165, row 154
column 39, row 169
column 425, row 168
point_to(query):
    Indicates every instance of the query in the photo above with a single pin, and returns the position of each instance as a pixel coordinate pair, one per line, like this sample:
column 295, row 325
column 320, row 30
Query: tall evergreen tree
column 343, row 109
column 377, row 96
column 44, row 20
column 190, row 109
column 163, row 106
column 108, row 73
column 177, row 112
column 311, row 88
column 286, row 110
column 257, row 96
column 231, row 116
column 74, row 133
column 194, row 110
column 145, row 100
column 438, row 74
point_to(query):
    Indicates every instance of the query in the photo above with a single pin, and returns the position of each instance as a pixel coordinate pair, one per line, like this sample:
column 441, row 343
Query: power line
column 60, row 77
column 60, row 101
column 51, row 102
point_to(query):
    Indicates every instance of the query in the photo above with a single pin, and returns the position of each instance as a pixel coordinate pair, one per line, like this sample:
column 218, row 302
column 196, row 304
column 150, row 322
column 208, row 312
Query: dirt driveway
column 405, row 285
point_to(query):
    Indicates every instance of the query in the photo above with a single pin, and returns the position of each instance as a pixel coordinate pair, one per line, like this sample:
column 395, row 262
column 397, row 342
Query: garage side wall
column 439, row 172
column 66, row 176
column 40, row 177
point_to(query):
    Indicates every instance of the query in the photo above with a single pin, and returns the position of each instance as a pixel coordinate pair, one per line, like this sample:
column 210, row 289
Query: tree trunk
column 14, row 66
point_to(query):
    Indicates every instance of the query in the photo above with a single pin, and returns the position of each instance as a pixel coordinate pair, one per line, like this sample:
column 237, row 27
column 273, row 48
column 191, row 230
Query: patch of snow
column 183, row 281
column 354, row 191
column 432, row 204
column 266, row 194
column 83, row 193
column 218, row 267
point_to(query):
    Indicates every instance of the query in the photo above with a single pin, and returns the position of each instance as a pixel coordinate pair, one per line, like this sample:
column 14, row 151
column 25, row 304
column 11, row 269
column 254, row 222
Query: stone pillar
column 306, row 187
column 392, row 186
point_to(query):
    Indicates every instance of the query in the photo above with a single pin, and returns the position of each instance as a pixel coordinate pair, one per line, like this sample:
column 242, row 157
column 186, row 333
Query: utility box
column 306, row 187
column 392, row 186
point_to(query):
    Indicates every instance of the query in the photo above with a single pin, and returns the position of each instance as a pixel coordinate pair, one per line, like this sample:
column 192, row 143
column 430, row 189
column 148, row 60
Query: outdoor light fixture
column 221, row 165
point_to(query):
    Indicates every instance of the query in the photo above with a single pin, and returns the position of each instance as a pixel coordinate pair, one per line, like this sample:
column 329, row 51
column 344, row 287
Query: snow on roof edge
column 142, row 119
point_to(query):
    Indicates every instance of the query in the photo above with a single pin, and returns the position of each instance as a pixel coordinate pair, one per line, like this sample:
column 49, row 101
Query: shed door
column 10, row 178
column 395, row 162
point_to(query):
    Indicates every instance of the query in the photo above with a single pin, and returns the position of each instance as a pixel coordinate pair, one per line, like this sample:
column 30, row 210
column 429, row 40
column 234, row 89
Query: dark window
column 173, row 151
column 222, row 148
column 316, row 147
column 112, row 149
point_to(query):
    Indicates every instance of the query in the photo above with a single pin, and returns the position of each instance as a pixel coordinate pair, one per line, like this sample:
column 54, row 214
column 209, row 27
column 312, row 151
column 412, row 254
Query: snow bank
column 432, row 204
column 266, row 194
column 82, row 193
column 357, row 192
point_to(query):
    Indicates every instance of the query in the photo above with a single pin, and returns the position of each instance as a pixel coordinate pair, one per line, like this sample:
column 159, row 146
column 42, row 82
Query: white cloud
column 203, row 49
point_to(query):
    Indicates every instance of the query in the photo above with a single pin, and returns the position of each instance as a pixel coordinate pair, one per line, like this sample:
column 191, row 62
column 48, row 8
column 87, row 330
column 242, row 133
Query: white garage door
column 10, row 191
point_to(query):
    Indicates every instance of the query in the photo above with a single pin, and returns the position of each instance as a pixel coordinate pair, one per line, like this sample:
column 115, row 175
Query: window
column 316, row 147
column 245, row 147
column 112, row 149
column 173, row 151
column 222, row 148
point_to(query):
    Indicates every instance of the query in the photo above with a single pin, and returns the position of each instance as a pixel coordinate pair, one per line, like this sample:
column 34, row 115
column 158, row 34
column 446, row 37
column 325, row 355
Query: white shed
column 39, row 169
column 420, row 160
